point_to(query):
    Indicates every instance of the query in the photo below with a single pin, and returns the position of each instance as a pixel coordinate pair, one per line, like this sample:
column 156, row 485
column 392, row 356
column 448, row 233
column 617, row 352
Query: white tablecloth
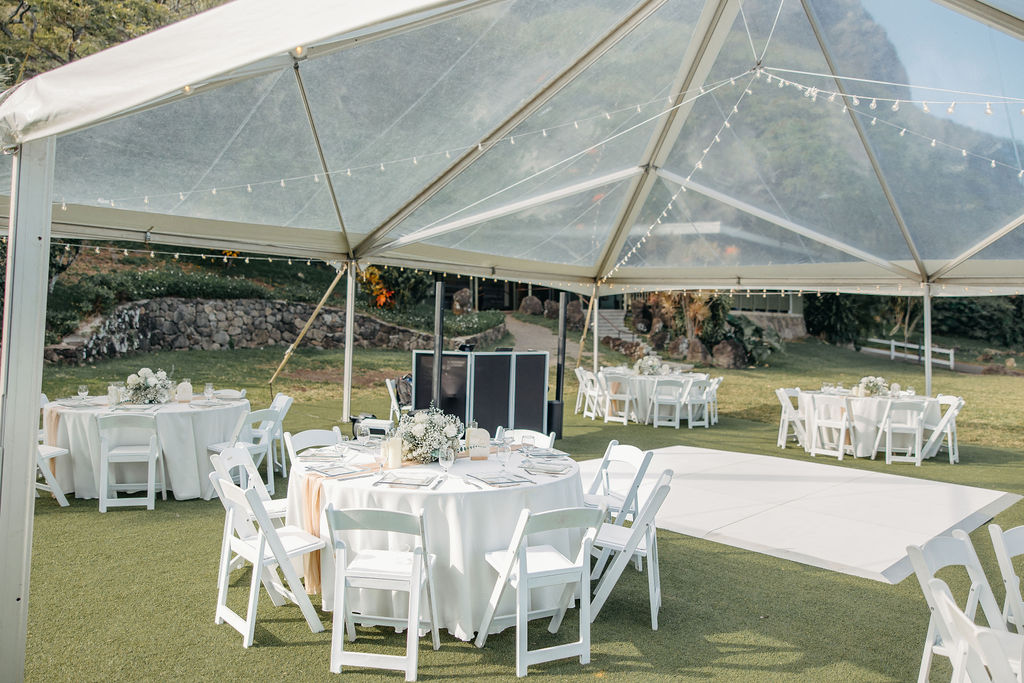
column 868, row 412
column 462, row 523
column 184, row 431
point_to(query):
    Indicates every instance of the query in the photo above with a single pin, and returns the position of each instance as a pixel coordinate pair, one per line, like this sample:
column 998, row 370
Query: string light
column 988, row 108
column 952, row 106
column 924, row 107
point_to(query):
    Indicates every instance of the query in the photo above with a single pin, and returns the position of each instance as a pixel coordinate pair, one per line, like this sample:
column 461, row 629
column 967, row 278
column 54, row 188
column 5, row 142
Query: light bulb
column 181, row 196
column 316, row 178
column 903, row 131
column 924, row 107
column 511, row 139
column 145, row 200
column 988, row 108
column 933, row 142
column 874, row 120
column 248, row 187
column 832, row 97
column 873, row 105
column 952, row 106
column 125, row 252
column 282, row 182
column 176, row 256
column 97, row 250
column 298, row 50
column 993, row 163
column 152, row 254
column 187, row 89
column 896, row 105
column 213, row 191
column 348, row 171
column 246, row 259
column 963, row 152
column 856, row 101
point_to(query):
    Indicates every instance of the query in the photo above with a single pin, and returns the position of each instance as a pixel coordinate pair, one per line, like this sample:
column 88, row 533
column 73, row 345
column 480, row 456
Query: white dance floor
column 838, row 518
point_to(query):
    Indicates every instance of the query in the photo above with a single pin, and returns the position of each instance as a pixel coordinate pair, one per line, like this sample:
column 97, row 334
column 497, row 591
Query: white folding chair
column 936, row 554
column 635, row 542
column 129, row 439
column 249, row 533
column 397, row 410
column 540, row 439
column 381, row 569
column 981, row 653
column 44, row 454
column 791, row 417
column 945, row 429
column 282, row 404
column 310, row 438
column 524, row 567
column 619, row 399
column 237, row 457
column 698, row 404
column 831, row 427
column 713, row 398
column 904, row 418
column 616, row 483
column 669, row 393
column 580, row 393
column 593, row 395
column 1008, row 545
column 251, row 434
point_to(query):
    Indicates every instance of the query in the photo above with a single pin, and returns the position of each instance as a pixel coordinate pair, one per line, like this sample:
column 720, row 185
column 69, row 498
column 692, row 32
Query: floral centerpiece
column 147, row 386
column 648, row 365
column 425, row 432
column 873, row 386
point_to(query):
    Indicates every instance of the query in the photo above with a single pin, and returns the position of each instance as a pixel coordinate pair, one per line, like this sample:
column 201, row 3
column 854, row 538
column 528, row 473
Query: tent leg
column 21, row 373
column 350, row 305
column 927, row 339
column 597, row 309
column 438, row 339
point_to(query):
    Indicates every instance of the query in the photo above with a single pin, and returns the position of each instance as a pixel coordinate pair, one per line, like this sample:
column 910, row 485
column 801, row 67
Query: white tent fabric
column 852, row 145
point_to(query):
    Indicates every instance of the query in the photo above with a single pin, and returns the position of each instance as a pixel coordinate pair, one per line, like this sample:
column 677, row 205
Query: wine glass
column 83, row 391
column 446, row 458
column 208, row 391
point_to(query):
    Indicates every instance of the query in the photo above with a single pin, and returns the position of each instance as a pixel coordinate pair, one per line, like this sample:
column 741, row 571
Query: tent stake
column 305, row 328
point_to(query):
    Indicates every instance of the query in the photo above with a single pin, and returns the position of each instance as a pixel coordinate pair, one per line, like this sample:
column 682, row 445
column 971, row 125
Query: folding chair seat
column 1008, row 545
column 616, row 483
column 979, row 652
column 129, row 439
column 619, row 399
column 44, row 454
column 593, row 395
column 831, row 427
column 944, row 429
column 631, row 543
column 311, row 438
column 253, row 432
column 236, row 457
column 903, row 418
column 927, row 560
column 668, row 393
column 524, row 567
column 249, row 533
column 540, row 439
column 381, row 569
column 698, row 404
column 791, row 417
column 282, row 404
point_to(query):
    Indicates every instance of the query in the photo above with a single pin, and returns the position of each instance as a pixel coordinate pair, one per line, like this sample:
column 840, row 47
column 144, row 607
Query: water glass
column 379, row 456
column 83, row 391
column 362, row 432
column 911, row 391
column 504, row 452
column 446, row 458
column 527, row 443
column 208, row 391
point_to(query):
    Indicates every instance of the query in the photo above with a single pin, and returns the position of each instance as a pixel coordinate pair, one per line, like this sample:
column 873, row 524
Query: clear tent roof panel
column 561, row 144
column 416, row 101
column 697, row 231
column 572, row 231
column 939, row 164
column 799, row 160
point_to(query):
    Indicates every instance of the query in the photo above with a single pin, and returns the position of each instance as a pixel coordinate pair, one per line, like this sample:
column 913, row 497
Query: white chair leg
column 254, row 597
column 223, row 574
column 492, row 605
column 301, row 597
column 412, row 631
column 338, row 623
column 104, row 484
column 435, row 636
column 584, row 618
column 563, row 604
column 52, row 484
column 926, row 657
column 270, row 469
column 522, row 621
column 151, row 484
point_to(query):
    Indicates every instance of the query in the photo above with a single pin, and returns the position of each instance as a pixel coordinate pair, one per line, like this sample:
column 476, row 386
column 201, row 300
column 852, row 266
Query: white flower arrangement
column 874, row 386
column 426, row 431
column 648, row 365
column 147, row 386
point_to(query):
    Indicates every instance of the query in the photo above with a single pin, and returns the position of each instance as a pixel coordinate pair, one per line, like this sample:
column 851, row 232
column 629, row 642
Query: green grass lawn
column 130, row 594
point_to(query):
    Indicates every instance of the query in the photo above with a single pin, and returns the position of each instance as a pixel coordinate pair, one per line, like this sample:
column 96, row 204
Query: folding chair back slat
column 1008, row 545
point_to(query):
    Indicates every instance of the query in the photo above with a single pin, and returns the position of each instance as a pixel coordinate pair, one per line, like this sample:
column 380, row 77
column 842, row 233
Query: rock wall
column 176, row 324
column 788, row 325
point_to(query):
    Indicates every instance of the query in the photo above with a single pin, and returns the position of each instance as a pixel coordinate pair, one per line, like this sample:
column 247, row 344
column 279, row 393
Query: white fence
column 891, row 345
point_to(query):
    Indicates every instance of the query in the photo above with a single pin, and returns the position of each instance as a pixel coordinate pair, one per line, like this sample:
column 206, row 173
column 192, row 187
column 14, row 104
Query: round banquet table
column 461, row 523
column 868, row 412
column 184, row 431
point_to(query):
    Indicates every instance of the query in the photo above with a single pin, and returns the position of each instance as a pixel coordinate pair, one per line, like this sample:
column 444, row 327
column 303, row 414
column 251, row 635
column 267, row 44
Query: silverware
column 438, row 482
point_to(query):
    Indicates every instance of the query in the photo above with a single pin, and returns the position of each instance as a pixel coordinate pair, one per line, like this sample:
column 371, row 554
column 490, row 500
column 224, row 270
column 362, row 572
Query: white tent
column 594, row 145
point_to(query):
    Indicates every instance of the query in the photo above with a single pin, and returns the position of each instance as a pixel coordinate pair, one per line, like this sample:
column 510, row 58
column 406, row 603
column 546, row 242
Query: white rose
column 161, row 374
column 133, row 379
column 418, row 430
column 145, row 372
column 451, row 430
column 151, row 381
column 420, row 418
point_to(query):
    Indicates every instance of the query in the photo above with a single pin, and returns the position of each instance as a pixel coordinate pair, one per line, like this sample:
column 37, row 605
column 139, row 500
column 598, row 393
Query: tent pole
column 927, row 339
column 595, row 302
column 305, row 328
column 350, row 317
column 560, row 373
column 21, row 375
column 438, row 339
column 586, row 326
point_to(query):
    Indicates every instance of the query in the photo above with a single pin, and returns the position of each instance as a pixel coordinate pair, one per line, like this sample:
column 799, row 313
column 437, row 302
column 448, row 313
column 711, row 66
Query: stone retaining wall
column 176, row 324
column 788, row 325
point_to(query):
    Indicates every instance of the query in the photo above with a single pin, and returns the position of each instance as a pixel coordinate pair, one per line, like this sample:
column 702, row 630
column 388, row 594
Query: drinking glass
column 379, row 456
column 362, row 432
column 446, row 458
column 208, row 391
column 527, row 444
column 504, row 452
column 83, row 391
column 911, row 391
